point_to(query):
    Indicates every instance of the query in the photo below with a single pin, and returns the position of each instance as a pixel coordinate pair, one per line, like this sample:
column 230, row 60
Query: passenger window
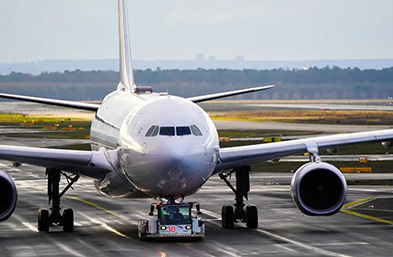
column 167, row 131
column 155, row 132
column 150, row 131
column 195, row 130
column 183, row 131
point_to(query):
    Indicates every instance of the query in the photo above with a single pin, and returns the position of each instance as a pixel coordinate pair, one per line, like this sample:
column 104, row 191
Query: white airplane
column 156, row 145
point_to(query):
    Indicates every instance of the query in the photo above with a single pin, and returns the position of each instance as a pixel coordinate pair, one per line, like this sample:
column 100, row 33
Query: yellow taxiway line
column 102, row 209
column 348, row 206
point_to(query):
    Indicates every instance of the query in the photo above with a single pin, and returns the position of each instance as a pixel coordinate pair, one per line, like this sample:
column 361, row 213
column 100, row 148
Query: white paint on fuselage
column 162, row 165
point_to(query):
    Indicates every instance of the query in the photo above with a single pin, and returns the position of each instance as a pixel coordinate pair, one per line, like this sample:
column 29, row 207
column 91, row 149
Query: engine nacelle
column 116, row 185
column 8, row 196
column 318, row 189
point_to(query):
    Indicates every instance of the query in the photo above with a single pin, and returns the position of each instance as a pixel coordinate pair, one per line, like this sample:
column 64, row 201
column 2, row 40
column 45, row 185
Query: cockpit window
column 195, row 130
column 183, row 131
column 167, row 131
column 170, row 131
column 150, row 131
column 155, row 132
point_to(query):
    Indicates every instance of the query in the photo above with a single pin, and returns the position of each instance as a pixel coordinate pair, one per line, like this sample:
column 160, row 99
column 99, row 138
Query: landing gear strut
column 56, row 217
column 247, row 214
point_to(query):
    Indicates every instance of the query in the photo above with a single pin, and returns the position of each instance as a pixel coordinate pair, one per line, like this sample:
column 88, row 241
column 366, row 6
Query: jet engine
column 318, row 189
column 8, row 196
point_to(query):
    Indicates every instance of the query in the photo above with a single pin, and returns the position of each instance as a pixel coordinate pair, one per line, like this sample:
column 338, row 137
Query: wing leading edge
column 63, row 103
column 202, row 98
column 234, row 157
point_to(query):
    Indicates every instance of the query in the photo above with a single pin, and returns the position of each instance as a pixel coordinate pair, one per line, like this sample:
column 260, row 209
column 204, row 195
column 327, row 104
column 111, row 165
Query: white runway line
column 30, row 226
column 69, row 250
column 229, row 252
column 286, row 248
column 24, row 223
column 341, row 244
column 106, row 226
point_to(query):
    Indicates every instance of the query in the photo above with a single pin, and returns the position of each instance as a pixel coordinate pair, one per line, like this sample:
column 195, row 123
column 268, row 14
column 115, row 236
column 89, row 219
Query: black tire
column 227, row 216
column 251, row 216
column 68, row 220
column 43, row 220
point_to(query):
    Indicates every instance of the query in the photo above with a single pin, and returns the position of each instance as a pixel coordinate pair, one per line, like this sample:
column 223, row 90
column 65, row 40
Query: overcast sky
column 32, row 30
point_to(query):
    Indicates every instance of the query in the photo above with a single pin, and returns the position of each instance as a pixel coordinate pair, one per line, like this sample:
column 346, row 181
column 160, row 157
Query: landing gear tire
column 251, row 216
column 227, row 216
column 68, row 220
column 43, row 220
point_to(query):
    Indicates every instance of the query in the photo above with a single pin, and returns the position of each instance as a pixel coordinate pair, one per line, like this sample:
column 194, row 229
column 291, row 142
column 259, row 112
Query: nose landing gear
column 247, row 214
column 66, row 217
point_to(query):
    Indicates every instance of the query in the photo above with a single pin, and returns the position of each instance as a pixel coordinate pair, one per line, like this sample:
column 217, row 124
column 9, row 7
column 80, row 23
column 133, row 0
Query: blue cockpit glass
column 167, row 131
column 183, row 131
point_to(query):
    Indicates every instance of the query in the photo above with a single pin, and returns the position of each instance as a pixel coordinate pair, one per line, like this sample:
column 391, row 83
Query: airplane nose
column 173, row 169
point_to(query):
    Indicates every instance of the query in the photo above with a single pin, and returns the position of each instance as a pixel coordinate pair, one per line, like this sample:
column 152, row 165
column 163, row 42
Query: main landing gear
column 247, row 214
column 56, row 217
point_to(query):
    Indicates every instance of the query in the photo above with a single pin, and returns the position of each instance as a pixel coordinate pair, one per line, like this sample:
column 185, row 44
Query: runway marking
column 29, row 226
column 26, row 224
column 115, row 231
column 361, row 215
column 286, row 248
column 222, row 248
column 109, row 228
column 281, row 238
column 358, row 202
column 341, row 244
column 69, row 250
column 98, row 207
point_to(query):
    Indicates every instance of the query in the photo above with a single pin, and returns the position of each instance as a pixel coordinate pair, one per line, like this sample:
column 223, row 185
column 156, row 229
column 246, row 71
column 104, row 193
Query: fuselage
column 167, row 145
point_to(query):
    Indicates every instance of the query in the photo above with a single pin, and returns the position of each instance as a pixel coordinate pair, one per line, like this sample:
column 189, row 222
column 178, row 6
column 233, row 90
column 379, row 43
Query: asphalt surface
column 109, row 228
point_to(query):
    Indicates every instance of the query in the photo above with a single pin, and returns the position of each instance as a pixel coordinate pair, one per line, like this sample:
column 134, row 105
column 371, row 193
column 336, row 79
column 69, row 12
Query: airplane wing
column 64, row 103
column 202, row 98
column 93, row 164
column 326, row 107
column 233, row 157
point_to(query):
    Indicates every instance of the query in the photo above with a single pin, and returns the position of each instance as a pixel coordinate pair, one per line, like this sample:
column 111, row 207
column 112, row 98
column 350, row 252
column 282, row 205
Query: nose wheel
column 241, row 213
column 56, row 216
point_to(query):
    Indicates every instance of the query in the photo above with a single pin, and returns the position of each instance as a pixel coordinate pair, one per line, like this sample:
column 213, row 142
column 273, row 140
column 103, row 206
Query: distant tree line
column 312, row 75
column 311, row 83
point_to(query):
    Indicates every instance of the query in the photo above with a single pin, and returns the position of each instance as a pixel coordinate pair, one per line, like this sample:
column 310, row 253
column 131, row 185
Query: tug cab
column 173, row 220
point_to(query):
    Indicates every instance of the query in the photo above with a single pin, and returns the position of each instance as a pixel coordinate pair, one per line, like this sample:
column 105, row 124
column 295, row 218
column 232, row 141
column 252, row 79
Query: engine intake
column 8, row 196
column 318, row 189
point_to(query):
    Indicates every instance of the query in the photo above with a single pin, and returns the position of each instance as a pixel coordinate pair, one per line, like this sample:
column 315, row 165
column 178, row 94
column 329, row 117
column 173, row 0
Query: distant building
column 239, row 58
column 200, row 57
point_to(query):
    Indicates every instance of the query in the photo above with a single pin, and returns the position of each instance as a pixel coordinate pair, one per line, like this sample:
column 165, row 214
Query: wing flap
column 202, row 98
column 233, row 157
column 63, row 103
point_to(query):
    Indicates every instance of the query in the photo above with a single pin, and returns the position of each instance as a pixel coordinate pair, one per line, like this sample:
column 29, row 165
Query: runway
column 108, row 227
